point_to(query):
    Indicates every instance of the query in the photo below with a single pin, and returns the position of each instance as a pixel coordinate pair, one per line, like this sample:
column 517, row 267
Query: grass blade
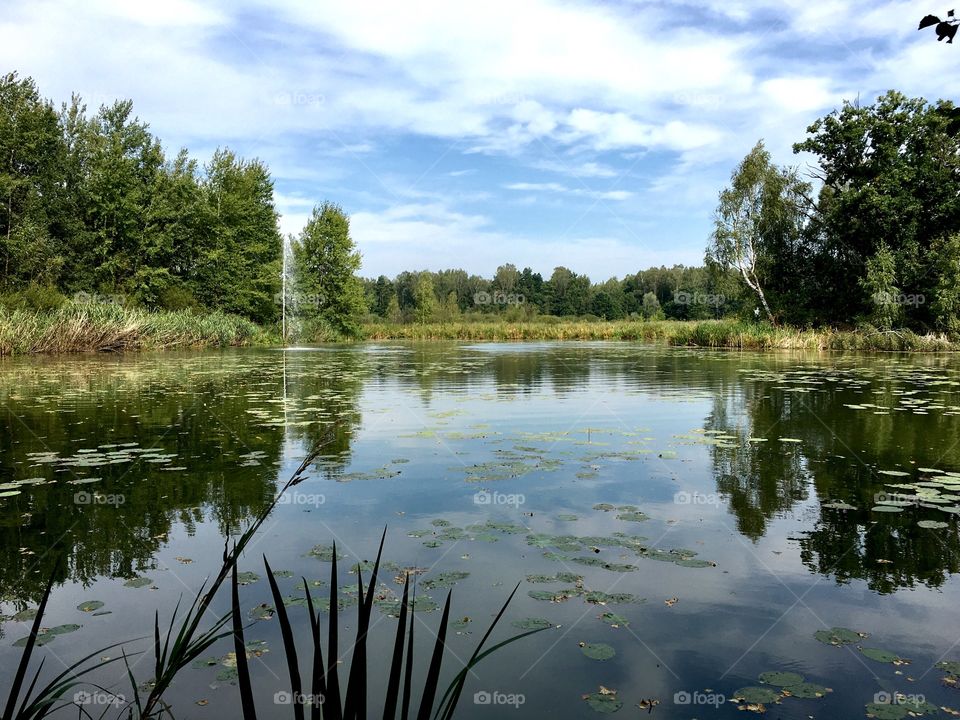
column 289, row 646
column 433, row 673
column 332, row 700
column 243, row 670
column 408, row 672
column 28, row 650
column 317, row 680
column 396, row 664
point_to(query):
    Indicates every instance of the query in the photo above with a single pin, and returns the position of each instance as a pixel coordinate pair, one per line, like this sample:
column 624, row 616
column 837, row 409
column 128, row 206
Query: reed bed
column 78, row 327
column 707, row 333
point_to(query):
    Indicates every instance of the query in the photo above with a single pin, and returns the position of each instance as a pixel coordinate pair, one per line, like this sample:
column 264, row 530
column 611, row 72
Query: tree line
column 90, row 204
column 678, row 292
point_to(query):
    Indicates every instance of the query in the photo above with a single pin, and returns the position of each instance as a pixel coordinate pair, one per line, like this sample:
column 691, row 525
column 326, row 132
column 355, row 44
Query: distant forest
column 91, row 206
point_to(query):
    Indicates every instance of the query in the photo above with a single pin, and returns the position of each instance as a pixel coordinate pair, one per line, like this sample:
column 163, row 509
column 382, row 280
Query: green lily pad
column 200, row 663
column 884, row 656
column 759, row 695
column 444, row 580
column 932, row 524
column 283, row 573
column 603, row 703
column 633, row 516
column 63, row 629
column 532, row 623
column 567, row 517
column 887, row 508
column 24, row 615
column 90, row 606
column 780, row 679
column 951, row 666
column 138, row 582
column 228, row 674
column 41, row 640
column 884, row 711
column 838, row 636
column 324, row 553
column 807, row 691
column 597, row 651
column 263, row 611
column 247, row 578
column 614, row 620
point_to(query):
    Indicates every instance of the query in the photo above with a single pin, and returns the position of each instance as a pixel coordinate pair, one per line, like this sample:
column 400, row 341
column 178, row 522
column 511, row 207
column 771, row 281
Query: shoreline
column 80, row 328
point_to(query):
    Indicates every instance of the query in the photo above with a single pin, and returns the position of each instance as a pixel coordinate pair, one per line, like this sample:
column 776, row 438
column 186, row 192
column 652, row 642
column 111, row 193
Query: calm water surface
column 722, row 504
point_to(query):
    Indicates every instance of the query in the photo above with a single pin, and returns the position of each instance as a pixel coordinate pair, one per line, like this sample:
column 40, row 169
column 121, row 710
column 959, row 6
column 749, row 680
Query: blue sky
column 591, row 135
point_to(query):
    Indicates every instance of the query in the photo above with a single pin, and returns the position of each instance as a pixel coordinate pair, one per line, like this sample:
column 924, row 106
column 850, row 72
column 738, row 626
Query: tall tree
column 326, row 263
column 31, row 165
column 762, row 206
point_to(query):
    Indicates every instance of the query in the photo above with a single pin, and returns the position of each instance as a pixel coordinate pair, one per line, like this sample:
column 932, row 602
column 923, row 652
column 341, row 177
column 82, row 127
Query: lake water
column 721, row 505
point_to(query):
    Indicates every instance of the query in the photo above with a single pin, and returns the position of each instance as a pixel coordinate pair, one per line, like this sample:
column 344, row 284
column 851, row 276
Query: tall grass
column 98, row 327
column 706, row 333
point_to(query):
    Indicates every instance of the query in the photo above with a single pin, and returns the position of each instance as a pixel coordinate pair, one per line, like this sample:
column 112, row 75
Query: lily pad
column 41, row 640
column 932, row 524
column 838, row 636
column 884, row 656
column 597, row 651
column 532, row 623
column 90, row 606
column 247, row 578
column 63, row 629
column 603, row 703
column 885, row 711
column 758, row 695
column 138, row 582
column 780, row 679
column 615, row 620
column 807, row 691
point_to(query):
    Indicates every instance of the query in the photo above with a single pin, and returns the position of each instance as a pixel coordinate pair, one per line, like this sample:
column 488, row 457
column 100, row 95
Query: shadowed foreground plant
column 324, row 679
column 40, row 704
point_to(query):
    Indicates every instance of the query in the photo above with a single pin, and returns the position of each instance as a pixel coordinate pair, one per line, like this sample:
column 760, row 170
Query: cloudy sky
column 593, row 135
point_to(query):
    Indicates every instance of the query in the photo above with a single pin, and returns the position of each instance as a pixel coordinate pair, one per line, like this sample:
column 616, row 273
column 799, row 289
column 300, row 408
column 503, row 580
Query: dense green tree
column 425, row 299
column 891, row 177
column 326, row 262
column 31, row 168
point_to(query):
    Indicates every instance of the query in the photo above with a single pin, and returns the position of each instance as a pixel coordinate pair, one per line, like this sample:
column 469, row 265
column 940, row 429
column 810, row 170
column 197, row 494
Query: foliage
column 326, row 262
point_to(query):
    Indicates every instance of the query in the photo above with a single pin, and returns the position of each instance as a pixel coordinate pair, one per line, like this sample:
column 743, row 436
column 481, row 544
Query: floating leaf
column 838, row 636
column 63, row 629
column 138, row 582
column 806, row 690
column 885, row 711
column 759, row 695
column 932, row 524
column 597, row 651
column 780, row 679
column 884, row 656
column 532, row 623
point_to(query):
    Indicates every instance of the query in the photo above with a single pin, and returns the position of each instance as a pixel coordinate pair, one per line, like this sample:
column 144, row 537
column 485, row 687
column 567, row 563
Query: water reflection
column 186, row 439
